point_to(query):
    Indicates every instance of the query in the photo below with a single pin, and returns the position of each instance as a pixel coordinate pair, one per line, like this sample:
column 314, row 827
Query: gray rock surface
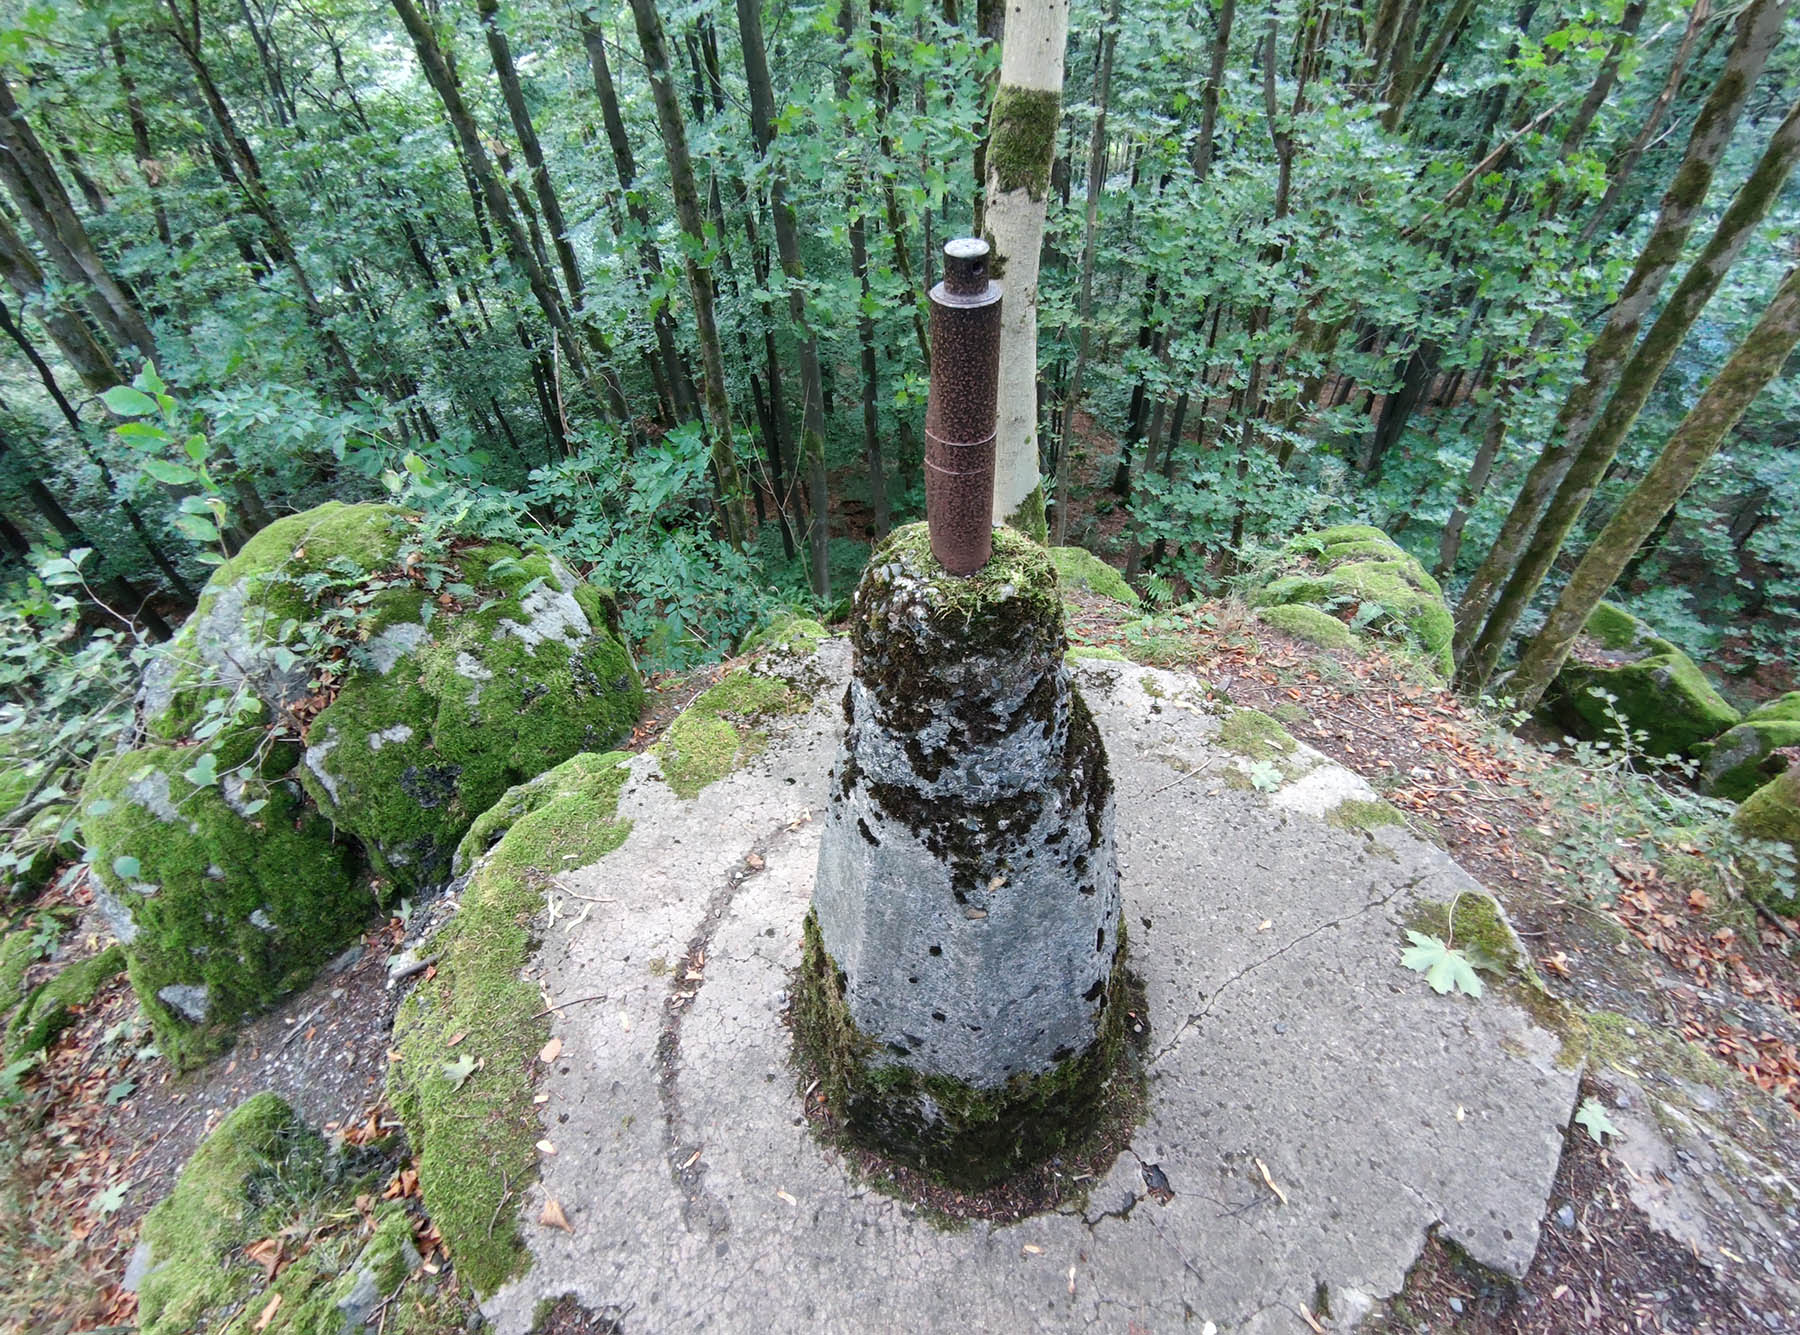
column 700, row 1200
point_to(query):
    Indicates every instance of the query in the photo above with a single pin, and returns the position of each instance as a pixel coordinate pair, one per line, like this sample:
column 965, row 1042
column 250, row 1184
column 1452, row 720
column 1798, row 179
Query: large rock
column 349, row 690
column 965, row 958
column 459, row 705
column 1357, row 572
column 1746, row 757
column 1657, row 690
column 232, row 892
column 1772, row 814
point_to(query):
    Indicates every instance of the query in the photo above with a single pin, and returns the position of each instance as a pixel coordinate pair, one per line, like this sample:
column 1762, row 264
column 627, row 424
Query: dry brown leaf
column 553, row 1216
column 545, row 1147
column 1268, row 1181
column 1310, row 1319
column 268, row 1312
column 456, row 1038
column 550, row 1051
column 753, row 861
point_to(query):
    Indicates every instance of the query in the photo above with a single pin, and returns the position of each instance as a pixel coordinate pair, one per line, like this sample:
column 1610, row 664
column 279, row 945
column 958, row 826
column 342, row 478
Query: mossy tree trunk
column 700, row 285
column 787, row 247
column 1021, row 148
column 1758, row 359
column 1635, row 383
column 1758, row 31
column 1096, row 176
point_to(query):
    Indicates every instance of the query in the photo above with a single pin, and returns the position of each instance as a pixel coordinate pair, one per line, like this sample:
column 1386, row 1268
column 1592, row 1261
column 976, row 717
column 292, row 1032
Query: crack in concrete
column 702, row 1211
column 1194, row 1018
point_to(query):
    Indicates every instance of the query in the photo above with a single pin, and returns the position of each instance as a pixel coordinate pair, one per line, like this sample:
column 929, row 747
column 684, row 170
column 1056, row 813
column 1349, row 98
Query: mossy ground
column 717, row 732
column 1255, row 736
column 262, row 1173
column 1358, row 570
column 1772, row 815
column 474, row 1142
column 789, row 633
column 47, row 1009
column 965, row 1138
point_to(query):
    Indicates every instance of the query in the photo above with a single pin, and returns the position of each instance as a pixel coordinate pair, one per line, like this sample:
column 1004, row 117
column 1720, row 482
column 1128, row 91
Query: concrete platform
column 1285, row 1033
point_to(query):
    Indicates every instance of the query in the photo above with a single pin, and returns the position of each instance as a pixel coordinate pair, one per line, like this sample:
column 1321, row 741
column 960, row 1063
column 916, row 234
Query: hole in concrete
column 914, row 979
column 1087, row 889
column 937, row 950
column 939, row 1016
column 1099, row 938
column 899, row 1049
column 1093, row 993
column 1062, row 1054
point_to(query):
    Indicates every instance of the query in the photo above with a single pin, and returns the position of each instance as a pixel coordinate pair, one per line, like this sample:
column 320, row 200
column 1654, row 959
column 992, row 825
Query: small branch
column 417, row 966
column 564, row 1005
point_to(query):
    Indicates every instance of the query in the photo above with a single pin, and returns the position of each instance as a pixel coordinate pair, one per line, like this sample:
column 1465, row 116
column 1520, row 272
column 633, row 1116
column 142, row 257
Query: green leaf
column 126, row 868
column 173, row 475
column 458, row 1071
column 111, row 1199
column 1592, row 1115
column 120, row 1092
column 197, row 528
column 1445, row 969
column 129, row 402
column 204, row 772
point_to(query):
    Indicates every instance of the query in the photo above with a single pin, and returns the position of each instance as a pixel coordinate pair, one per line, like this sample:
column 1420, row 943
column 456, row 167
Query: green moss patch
column 235, row 903
column 1772, row 815
column 1362, row 817
column 49, row 1008
column 1744, row 758
column 1022, row 143
column 960, row 1136
column 474, row 1138
column 1358, row 572
column 1659, row 692
column 1079, row 568
column 1255, row 736
column 1309, row 625
column 1102, row 652
column 788, row 633
column 716, row 733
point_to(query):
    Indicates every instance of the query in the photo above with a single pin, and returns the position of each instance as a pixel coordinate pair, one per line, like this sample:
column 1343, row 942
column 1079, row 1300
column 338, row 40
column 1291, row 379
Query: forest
column 645, row 286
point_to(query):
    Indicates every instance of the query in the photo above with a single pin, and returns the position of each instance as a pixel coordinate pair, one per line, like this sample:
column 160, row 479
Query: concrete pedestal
column 964, row 956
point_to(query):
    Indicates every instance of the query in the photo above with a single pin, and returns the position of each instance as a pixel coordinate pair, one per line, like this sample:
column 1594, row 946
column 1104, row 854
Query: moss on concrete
column 474, row 1142
column 1359, row 570
column 1360, row 817
column 234, row 905
column 1255, row 736
column 1308, row 624
column 717, row 732
column 962, row 1136
column 1659, row 691
column 1772, row 815
column 1078, row 568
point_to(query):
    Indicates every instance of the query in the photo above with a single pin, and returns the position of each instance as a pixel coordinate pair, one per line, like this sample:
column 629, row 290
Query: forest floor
column 104, row 1125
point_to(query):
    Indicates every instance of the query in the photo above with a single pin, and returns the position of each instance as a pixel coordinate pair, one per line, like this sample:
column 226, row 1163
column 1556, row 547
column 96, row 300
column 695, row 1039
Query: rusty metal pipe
column 960, row 412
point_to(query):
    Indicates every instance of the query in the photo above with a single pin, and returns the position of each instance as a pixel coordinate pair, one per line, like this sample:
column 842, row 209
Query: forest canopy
column 644, row 286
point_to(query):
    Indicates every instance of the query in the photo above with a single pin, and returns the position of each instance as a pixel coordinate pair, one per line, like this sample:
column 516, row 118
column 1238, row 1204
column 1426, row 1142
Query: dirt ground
column 102, row 1113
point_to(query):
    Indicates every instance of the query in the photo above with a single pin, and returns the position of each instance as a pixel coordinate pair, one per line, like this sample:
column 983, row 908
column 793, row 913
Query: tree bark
column 1021, row 144
column 1758, row 30
column 1757, row 360
column 700, row 285
column 787, row 246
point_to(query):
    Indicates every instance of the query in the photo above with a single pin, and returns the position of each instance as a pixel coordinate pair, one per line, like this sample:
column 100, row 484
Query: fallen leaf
column 1592, row 1115
column 458, row 1071
column 456, row 1038
column 1032, row 1250
column 1310, row 1319
column 545, row 1147
column 1461, row 1112
column 1265, row 924
column 1263, row 1168
column 553, row 1216
column 753, row 861
column 268, row 1312
column 789, row 1199
column 1557, row 964
column 1071, row 1281
column 550, row 1051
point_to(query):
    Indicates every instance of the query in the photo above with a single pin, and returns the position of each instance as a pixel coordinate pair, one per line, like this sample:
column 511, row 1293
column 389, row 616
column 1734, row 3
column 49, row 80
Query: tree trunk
column 1757, row 360
column 1635, row 383
column 1021, row 143
column 1209, row 96
column 140, row 137
column 859, row 266
column 787, row 246
column 1096, row 169
column 1758, row 30
column 67, row 330
column 700, row 285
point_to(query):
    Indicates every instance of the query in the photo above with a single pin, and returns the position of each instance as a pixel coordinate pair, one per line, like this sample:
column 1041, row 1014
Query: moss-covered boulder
column 235, row 888
column 1078, row 568
column 1746, row 757
column 473, row 1129
column 1658, row 691
column 1772, row 814
column 263, row 1173
column 1308, row 623
column 1359, row 575
column 787, row 632
column 525, row 670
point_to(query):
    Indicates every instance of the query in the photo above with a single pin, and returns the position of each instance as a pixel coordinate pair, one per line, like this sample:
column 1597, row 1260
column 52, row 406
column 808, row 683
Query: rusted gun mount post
column 960, row 412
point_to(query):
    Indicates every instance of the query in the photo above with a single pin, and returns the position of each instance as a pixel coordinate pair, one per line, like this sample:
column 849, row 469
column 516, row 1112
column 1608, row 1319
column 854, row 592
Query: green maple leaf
column 1445, row 969
column 111, row 1199
column 459, row 1070
column 1592, row 1115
